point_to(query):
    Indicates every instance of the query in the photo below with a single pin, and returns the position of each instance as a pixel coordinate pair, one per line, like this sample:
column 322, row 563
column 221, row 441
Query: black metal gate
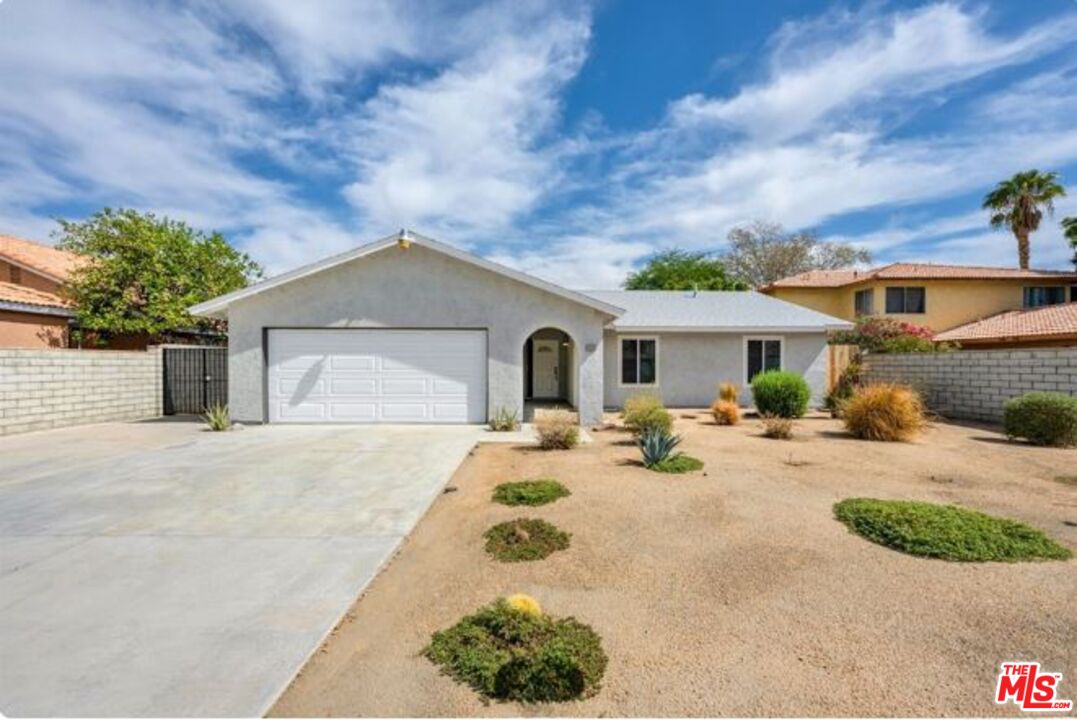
column 195, row 378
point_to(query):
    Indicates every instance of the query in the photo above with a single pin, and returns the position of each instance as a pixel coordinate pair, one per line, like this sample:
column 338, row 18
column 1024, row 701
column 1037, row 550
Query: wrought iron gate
column 195, row 378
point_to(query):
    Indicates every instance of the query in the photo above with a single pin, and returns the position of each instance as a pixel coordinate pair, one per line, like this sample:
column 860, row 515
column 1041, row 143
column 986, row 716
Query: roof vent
column 403, row 240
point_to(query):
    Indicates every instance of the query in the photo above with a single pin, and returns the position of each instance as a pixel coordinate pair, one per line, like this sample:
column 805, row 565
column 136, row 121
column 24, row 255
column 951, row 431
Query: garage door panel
column 377, row 375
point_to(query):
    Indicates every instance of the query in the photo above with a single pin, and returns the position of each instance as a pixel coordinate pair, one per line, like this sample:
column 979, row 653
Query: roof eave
column 12, row 306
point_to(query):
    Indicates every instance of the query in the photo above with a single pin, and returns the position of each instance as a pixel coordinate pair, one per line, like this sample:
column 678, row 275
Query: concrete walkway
column 157, row 569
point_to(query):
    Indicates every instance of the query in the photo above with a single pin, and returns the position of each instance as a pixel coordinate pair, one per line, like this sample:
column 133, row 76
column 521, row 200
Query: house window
column 15, row 273
column 762, row 354
column 1040, row 296
column 864, row 302
column 639, row 361
column 905, row 300
column 1073, row 293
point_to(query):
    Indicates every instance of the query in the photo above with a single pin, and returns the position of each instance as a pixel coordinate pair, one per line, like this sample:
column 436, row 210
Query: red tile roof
column 915, row 271
column 1041, row 322
column 23, row 295
column 44, row 259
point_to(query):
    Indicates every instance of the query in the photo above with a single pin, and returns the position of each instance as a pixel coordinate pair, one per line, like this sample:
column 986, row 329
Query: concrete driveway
column 157, row 569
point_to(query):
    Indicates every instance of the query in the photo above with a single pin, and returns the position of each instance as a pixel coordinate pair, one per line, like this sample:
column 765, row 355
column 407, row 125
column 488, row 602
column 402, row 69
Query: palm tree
column 1069, row 229
column 1018, row 203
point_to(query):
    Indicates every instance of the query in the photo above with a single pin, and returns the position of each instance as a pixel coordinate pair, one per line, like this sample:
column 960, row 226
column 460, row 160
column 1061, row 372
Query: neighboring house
column 33, row 314
column 407, row 329
column 1051, row 326
column 938, row 296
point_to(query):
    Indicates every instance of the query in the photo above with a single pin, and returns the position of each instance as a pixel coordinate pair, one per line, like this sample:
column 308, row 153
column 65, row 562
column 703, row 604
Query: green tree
column 1018, row 204
column 678, row 269
column 762, row 252
column 1069, row 229
column 143, row 272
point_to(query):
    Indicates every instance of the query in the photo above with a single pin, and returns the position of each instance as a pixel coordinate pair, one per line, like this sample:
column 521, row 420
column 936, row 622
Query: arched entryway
column 549, row 361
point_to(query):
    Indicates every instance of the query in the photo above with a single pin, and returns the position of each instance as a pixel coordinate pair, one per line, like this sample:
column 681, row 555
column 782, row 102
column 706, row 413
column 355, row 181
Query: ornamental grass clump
column 725, row 412
column 510, row 650
column 781, row 393
column 217, row 418
column 728, row 392
column 1042, row 418
column 505, row 420
column 557, row 430
column 885, row 412
column 645, row 412
column 778, row 428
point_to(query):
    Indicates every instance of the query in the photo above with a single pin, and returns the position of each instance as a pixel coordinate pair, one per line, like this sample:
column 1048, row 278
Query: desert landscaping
column 727, row 591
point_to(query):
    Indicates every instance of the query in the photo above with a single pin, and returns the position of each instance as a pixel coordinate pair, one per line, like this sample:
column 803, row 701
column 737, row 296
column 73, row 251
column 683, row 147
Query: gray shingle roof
column 746, row 311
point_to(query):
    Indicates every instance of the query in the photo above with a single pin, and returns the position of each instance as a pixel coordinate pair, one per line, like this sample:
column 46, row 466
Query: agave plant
column 217, row 418
column 657, row 445
column 505, row 420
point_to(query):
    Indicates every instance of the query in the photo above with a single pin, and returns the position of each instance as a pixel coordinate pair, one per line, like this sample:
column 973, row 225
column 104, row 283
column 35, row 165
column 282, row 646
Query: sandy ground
column 732, row 592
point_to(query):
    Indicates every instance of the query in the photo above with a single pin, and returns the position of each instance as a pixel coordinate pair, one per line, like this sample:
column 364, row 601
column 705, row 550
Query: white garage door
column 377, row 376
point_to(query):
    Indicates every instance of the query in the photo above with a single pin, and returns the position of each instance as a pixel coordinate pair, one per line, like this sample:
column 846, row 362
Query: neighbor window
column 864, row 302
column 763, row 354
column 905, row 300
column 639, row 361
column 16, row 274
column 1040, row 296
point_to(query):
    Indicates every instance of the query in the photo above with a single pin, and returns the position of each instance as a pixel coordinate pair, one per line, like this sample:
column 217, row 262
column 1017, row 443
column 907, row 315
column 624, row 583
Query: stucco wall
column 31, row 330
column 42, row 389
column 29, row 278
column 974, row 384
column 417, row 288
column 691, row 365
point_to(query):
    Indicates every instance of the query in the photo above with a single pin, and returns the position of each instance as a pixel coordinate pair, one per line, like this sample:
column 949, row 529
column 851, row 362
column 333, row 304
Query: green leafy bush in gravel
column 524, row 539
column 530, row 492
column 781, row 393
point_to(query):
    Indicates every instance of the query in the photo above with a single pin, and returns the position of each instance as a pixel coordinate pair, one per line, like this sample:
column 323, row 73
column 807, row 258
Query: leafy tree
column 144, row 272
column 1069, row 229
column 1018, row 203
column 682, row 270
column 762, row 252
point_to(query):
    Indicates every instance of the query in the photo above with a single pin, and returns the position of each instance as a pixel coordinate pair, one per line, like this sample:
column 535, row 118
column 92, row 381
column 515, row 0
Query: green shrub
column 657, row 445
column 947, row 532
column 645, row 412
column 557, row 430
column 781, row 393
column 217, row 418
column 845, row 388
column 530, row 492
column 505, row 420
column 1042, row 418
column 507, row 654
column 524, row 539
column 678, row 464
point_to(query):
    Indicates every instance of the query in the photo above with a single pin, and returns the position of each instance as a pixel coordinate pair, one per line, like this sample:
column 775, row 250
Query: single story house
column 407, row 329
column 1051, row 326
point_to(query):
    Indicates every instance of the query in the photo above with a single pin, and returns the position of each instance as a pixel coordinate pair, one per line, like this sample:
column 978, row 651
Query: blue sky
column 566, row 139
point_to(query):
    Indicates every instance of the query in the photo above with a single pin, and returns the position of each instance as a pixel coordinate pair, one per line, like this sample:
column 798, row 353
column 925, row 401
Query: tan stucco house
column 940, row 297
column 33, row 314
column 408, row 329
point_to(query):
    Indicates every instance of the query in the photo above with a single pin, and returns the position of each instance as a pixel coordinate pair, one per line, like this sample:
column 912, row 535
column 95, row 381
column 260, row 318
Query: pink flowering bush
column 885, row 335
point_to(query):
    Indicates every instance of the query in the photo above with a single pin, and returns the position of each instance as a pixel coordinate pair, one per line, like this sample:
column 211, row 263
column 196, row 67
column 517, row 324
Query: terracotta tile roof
column 45, row 259
column 12, row 293
column 1039, row 322
column 915, row 271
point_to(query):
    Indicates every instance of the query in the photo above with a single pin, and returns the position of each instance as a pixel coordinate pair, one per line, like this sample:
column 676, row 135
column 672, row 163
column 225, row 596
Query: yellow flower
column 524, row 604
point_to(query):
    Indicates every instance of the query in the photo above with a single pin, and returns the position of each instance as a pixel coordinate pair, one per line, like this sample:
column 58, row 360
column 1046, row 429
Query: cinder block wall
column 41, row 389
column 974, row 384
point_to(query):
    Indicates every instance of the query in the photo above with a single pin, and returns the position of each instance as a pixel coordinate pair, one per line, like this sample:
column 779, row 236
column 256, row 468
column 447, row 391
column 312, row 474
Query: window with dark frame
column 906, row 300
column 639, row 361
column 1044, row 295
column 763, row 355
column 15, row 274
column 864, row 302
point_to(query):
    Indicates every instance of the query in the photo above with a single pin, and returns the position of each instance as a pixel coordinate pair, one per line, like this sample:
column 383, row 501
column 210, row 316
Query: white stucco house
column 408, row 329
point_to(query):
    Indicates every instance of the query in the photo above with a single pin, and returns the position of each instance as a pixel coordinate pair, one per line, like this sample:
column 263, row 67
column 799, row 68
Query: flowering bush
column 885, row 335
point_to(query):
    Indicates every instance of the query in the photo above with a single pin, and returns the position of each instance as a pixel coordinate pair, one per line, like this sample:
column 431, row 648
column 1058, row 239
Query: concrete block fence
column 974, row 384
column 42, row 389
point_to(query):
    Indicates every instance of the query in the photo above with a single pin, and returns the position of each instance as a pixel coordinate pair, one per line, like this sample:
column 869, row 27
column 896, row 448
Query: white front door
column 377, row 376
column 544, row 368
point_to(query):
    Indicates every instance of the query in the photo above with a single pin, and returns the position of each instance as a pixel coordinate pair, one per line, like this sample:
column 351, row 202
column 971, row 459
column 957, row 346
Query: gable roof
column 46, row 260
column 21, row 298
column 914, row 271
column 1044, row 322
column 219, row 305
column 713, row 311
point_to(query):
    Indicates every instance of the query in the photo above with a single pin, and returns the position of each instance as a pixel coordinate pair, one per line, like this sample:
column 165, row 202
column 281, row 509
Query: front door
column 544, row 366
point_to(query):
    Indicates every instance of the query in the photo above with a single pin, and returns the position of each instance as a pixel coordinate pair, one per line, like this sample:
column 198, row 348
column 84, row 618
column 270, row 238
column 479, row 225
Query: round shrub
column 678, row 464
column 947, row 532
column 883, row 412
column 780, row 393
column 557, row 430
column 530, row 492
column 507, row 654
column 524, row 539
column 1042, row 418
column 645, row 412
column 725, row 412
